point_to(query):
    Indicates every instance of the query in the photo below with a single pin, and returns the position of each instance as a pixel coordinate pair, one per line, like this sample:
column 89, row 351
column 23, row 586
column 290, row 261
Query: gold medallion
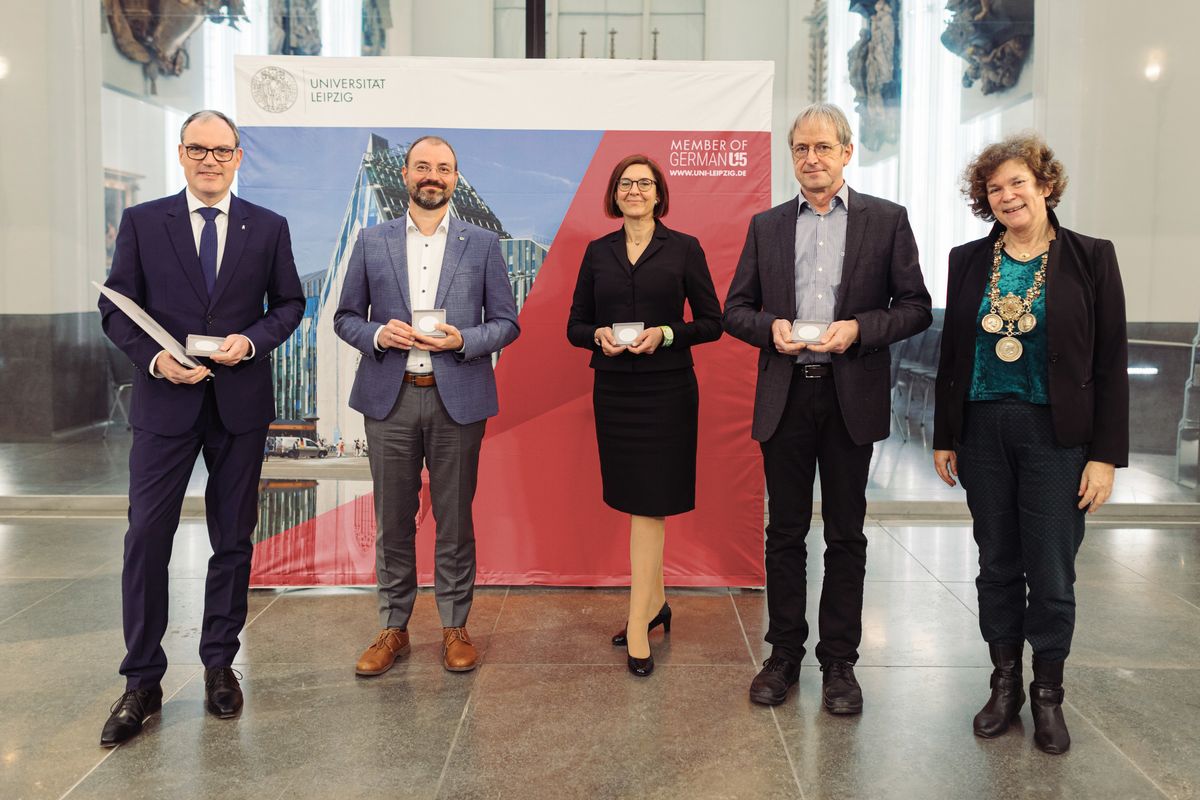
column 1026, row 323
column 1010, row 307
column 1009, row 349
column 992, row 323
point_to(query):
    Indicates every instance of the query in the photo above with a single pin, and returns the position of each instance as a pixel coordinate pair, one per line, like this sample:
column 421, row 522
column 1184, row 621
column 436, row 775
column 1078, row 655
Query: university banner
column 536, row 140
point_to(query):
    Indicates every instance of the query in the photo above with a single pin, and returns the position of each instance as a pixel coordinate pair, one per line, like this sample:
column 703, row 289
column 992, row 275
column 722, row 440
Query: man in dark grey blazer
column 426, row 390
column 833, row 256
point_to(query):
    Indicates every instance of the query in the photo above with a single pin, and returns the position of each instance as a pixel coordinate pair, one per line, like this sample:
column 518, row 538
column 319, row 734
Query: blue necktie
column 208, row 247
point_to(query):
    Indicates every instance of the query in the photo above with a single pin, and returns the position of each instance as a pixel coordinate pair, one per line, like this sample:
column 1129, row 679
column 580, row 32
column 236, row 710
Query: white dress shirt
column 425, row 255
column 222, row 224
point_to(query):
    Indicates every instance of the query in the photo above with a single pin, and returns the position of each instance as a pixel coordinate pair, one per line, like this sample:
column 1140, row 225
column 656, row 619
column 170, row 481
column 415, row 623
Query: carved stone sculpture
column 295, row 28
column 155, row 33
column 875, row 73
column 993, row 37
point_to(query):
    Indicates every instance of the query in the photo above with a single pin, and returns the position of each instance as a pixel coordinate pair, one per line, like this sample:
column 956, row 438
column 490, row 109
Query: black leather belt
column 420, row 379
column 816, row 370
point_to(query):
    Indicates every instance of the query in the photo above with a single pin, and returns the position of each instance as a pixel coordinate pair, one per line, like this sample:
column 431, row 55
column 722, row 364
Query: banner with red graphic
column 536, row 142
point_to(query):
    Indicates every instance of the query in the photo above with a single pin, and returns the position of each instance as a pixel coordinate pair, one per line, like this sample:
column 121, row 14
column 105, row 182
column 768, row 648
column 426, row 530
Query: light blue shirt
column 820, row 247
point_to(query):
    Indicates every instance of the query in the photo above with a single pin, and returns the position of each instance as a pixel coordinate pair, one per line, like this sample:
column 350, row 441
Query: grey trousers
column 418, row 432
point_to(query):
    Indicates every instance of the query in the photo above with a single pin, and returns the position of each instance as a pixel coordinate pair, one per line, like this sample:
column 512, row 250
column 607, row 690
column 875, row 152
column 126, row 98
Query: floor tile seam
column 254, row 619
column 61, row 589
column 462, row 718
column 745, row 636
column 166, row 699
column 1117, row 747
column 1133, row 571
column 787, row 752
column 938, row 580
column 500, row 611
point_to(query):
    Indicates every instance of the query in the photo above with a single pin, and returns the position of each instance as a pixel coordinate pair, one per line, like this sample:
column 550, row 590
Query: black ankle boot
column 1045, row 700
column 1008, row 695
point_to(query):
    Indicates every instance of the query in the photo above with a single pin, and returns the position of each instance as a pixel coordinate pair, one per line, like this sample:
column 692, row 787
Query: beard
column 429, row 202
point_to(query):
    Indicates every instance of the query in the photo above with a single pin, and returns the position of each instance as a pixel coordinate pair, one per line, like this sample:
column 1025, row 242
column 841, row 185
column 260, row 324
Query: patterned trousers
column 1022, row 491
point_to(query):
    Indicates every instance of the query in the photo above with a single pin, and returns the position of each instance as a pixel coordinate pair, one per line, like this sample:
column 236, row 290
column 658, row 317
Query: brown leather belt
column 423, row 379
column 816, row 370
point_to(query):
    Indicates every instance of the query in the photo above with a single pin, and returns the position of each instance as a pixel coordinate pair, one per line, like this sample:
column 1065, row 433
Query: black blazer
column 1087, row 346
column 881, row 288
column 609, row 289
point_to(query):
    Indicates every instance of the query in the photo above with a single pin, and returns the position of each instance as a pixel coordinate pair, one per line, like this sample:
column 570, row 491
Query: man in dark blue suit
column 199, row 262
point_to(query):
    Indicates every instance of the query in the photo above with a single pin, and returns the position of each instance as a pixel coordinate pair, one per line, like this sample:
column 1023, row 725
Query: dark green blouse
column 1025, row 378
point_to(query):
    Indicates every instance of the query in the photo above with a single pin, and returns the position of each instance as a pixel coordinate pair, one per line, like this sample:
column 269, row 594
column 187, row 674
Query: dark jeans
column 812, row 436
column 1022, row 488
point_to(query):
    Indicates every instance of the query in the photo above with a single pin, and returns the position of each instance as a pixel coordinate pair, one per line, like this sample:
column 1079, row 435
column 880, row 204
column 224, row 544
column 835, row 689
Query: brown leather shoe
column 390, row 644
column 458, row 654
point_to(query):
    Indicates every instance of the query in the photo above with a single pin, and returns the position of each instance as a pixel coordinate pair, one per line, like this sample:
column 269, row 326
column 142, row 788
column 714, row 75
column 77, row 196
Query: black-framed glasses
column 822, row 150
column 197, row 153
column 626, row 184
column 424, row 169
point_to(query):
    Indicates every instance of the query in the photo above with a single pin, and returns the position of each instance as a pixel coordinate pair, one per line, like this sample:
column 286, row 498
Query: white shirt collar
column 443, row 225
column 194, row 202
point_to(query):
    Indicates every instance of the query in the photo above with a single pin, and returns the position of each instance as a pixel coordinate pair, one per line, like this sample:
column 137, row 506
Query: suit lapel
column 656, row 243
column 396, row 238
column 785, row 235
column 858, row 220
column 237, row 230
column 179, row 231
column 616, row 243
column 456, row 245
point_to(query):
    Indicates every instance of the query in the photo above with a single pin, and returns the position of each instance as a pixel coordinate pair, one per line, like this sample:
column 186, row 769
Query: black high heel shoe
column 639, row 666
column 663, row 618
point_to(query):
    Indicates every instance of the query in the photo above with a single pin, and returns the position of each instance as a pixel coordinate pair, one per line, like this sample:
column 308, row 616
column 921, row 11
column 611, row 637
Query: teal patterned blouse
column 1026, row 378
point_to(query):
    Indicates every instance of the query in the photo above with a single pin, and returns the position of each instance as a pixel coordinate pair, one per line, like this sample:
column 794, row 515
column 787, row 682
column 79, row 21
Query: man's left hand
column 235, row 348
column 838, row 337
column 452, row 341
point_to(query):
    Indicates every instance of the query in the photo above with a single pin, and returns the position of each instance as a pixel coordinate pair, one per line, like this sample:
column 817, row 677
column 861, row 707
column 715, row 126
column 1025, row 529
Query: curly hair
column 1030, row 150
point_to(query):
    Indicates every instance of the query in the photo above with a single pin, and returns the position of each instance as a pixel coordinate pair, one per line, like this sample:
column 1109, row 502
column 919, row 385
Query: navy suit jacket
column 473, row 288
column 881, row 288
column 257, row 294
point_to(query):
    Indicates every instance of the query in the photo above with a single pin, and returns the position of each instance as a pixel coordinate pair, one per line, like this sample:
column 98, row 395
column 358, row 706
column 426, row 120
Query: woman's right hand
column 608, row 344
column 946, row 464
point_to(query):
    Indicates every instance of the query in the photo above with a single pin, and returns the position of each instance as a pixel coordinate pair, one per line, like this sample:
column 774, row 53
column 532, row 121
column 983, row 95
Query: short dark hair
column 1028, row 148
column 433, row 140
column 610, row 194
column 209, row 113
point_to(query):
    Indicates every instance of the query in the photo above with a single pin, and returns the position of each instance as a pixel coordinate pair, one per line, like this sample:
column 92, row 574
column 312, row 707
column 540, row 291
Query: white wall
column 1128, row 143
column 51, row 181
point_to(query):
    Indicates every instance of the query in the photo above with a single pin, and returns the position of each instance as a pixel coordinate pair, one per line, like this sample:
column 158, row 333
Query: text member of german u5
column 1032, row 415
column 645, row 397
column 425, row 398
column 830, row 255
column 199, row 262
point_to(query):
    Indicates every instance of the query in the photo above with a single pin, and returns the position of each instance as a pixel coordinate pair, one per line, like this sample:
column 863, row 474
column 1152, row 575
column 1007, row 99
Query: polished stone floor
column 552, row 712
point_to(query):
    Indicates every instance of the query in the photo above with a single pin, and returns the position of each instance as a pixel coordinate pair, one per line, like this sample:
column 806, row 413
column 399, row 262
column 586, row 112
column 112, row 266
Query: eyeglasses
column 626, row 185
column 822, row 150
column 424, row 169
column 197, row 153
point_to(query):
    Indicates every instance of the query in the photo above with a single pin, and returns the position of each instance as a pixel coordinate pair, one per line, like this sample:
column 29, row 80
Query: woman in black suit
column 1032, row 415
column 644, row 396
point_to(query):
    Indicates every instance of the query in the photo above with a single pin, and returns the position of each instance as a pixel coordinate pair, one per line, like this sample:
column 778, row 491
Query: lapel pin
column 243, row 227
column 461, row 238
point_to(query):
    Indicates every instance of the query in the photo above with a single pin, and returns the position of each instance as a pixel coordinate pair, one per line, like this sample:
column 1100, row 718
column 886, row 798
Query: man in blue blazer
column 426, row 390
column 199, row 262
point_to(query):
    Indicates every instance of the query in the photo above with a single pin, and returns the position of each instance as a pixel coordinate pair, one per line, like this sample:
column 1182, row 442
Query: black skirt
column 646, row 433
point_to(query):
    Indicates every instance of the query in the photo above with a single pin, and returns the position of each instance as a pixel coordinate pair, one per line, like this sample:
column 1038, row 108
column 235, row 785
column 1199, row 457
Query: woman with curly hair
column 1032, row 416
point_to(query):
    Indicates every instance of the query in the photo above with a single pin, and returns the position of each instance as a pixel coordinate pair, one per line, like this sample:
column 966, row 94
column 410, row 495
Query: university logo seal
column 274, row 89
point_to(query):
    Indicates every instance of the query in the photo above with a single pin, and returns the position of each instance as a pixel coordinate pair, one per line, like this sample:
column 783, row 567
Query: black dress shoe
column 840, row 692
column 222, row 693
column 778, row 675
column 129, row 713
column 639, row 666
column 662, row 618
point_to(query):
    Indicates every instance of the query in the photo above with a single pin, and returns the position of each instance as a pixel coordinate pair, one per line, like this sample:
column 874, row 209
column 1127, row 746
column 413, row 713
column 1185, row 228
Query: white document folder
column 146, row 322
